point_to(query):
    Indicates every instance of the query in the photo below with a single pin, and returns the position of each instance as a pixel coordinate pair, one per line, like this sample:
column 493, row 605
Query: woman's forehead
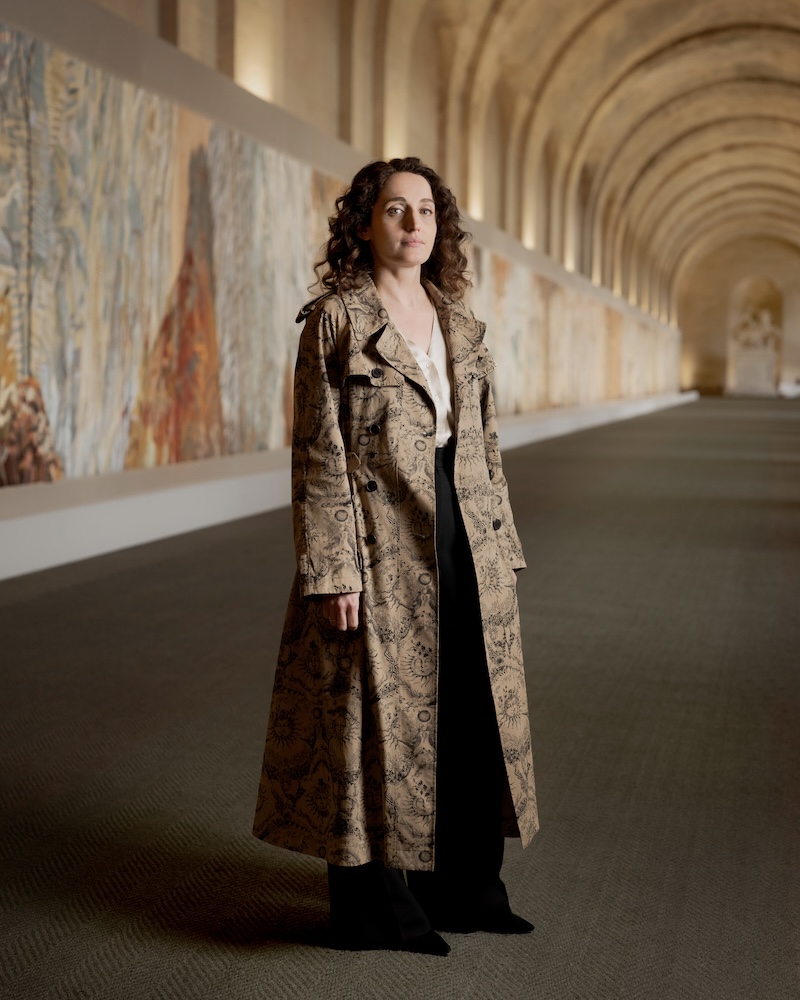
column 408, row 186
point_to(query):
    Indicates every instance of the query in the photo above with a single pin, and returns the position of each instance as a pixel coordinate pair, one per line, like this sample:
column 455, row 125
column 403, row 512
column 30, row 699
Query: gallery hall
column 399, row 400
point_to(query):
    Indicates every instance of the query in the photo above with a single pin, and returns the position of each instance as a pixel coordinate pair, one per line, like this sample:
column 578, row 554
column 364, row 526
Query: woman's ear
column 364, row 233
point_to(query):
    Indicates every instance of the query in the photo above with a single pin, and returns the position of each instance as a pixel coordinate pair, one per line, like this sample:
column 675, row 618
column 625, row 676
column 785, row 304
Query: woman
column 398, row 736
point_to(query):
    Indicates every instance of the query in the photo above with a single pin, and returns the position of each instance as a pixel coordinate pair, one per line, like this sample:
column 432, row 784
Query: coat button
column 424, row 715
column 491, row 473
column 424, row 856
column 372, row 486
column 370, row 539
column 377, row 373
column 383, row 314
column 375, row 429
column 497, row 523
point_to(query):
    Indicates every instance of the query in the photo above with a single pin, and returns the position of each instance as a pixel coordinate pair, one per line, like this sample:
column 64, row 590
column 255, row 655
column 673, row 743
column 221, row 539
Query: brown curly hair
column 348, row 256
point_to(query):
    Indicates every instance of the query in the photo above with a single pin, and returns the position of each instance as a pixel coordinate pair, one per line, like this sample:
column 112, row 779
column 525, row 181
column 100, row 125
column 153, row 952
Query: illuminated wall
column 152, row 262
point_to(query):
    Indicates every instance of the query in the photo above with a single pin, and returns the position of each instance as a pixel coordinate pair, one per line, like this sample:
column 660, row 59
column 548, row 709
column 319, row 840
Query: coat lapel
column 370, row 322
column 463, row 335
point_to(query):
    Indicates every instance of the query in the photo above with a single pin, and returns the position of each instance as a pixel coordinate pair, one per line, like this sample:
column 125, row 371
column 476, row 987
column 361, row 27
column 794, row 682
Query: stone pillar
column 142, row 13
column 250, row 36
column 168, row 21
column 356, row 73
column 197, row 30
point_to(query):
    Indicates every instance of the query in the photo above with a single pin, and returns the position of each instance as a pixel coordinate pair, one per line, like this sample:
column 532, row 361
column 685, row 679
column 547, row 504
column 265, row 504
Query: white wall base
column 530, row 427
column 49, row 524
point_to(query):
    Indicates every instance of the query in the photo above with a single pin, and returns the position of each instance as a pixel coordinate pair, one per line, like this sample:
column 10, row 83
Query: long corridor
column 661, row 616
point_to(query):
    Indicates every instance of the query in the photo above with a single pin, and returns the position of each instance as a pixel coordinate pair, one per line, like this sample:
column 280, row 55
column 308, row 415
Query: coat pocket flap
column 361, row 371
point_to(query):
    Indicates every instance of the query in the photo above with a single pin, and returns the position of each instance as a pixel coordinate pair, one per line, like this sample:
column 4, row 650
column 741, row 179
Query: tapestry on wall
column 151, row 266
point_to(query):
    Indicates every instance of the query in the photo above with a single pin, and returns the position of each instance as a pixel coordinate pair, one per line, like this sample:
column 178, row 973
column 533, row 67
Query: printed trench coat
column 349, row 769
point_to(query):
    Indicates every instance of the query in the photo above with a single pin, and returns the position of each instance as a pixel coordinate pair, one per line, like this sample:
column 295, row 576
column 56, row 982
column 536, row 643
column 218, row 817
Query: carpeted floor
column 662, row 634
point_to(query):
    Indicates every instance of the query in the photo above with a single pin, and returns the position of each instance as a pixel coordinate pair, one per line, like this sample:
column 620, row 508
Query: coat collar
column 369, row 320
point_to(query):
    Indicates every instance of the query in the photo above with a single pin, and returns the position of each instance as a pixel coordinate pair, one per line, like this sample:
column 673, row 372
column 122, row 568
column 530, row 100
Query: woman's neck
column 407, row 303
column 403, row 286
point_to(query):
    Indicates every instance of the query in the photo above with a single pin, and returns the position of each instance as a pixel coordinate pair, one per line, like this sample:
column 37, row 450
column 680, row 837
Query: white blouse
column 435, row 367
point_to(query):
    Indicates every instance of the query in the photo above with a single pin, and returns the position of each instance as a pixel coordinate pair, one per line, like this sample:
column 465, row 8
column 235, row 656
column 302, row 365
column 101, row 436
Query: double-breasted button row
column 497, row 523
column 370, row 539
column 372, row 486
column 377, row 373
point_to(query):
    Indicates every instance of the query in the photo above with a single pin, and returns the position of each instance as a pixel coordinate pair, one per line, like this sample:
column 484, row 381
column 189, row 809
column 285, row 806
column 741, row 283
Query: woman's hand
column 341, row 610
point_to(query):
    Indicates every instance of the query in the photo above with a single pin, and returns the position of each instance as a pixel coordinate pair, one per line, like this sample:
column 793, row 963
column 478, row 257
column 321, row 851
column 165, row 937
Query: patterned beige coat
column 350, row 761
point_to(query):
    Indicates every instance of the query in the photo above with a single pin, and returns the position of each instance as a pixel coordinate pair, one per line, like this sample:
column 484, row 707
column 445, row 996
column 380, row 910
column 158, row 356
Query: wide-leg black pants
column 371, row 903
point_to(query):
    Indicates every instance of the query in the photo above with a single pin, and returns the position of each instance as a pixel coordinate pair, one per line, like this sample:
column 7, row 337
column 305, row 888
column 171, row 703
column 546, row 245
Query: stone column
column 250, row 36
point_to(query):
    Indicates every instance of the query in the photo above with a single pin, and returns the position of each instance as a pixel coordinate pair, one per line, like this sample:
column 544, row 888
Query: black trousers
column 370, row 903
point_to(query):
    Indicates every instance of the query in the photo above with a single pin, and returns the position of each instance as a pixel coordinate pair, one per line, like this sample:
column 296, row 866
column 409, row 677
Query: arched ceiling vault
column 724, row 209
column 687, row 196
column 635, row 131
column 716, row 148
column 740, row 228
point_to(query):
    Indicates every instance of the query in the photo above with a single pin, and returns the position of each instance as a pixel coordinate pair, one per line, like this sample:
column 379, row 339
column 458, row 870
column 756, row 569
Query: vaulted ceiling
column 627, row 139
column 637, row 134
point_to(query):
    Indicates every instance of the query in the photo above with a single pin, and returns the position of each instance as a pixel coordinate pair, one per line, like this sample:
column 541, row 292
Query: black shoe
column 490, row 923
column 427, row 944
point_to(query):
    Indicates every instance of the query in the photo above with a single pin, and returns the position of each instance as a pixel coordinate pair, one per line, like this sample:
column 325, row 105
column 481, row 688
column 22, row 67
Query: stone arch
column 673, row 67
column 706, row 147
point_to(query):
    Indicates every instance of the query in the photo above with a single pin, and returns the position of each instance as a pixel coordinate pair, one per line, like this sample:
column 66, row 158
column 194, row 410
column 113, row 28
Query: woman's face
column 402, row 231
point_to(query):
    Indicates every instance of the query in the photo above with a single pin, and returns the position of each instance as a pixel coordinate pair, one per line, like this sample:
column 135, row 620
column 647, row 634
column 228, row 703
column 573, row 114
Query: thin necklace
column 433, row 323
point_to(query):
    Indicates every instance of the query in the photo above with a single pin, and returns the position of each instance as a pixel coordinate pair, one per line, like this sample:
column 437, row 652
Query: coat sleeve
column 322, row 504
column 506, row 532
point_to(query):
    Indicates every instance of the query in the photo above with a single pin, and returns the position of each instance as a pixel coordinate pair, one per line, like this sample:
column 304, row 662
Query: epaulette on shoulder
column 309, row 307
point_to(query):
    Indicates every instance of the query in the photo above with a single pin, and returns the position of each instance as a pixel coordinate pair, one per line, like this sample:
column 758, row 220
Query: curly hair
column 348, row 256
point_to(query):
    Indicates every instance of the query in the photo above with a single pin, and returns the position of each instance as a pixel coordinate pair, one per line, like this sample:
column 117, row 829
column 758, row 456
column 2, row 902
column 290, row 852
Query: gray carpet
column 662, row 634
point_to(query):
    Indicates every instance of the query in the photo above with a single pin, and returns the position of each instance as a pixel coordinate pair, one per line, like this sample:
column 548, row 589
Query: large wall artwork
column 151, row 266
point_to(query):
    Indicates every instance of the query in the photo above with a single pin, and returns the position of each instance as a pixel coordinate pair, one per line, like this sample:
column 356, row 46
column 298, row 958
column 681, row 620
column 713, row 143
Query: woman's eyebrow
column 400, row 197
